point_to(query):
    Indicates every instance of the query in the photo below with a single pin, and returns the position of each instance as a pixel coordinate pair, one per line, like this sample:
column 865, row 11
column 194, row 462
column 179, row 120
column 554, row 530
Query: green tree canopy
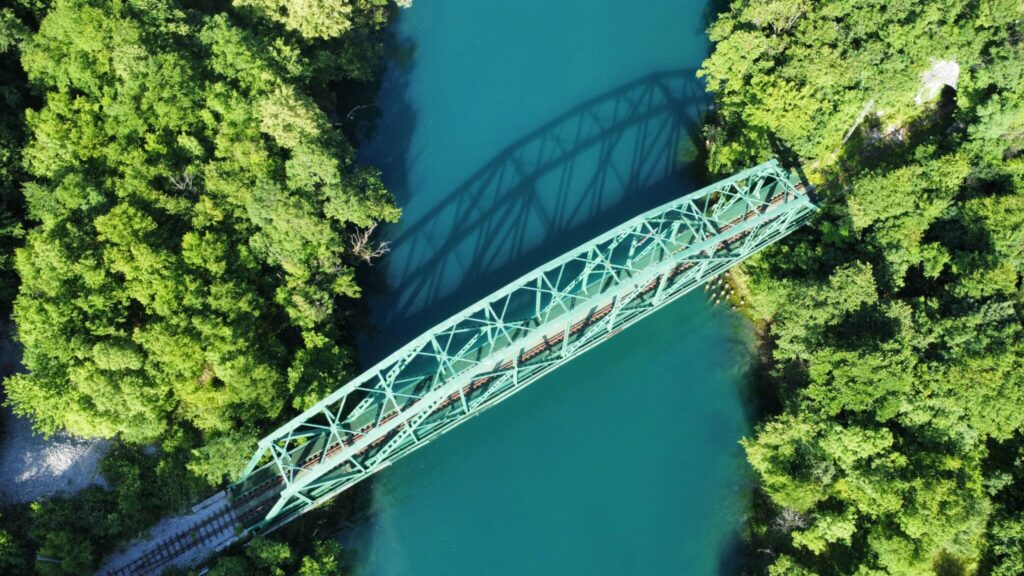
column 15, row 25
column 896, row 320
column 192, row 208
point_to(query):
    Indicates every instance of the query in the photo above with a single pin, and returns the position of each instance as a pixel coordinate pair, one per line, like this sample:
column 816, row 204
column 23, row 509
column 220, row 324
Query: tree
column 310, row 18
column 15, row 547
column 192, row 206
column 266, row 557
column 14, row 97
column 896, row 319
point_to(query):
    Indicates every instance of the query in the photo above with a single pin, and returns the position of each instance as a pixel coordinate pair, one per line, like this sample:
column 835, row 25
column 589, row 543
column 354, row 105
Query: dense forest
column 894, row 325
column 13, row 101
column 181, row 217
column 190, row 204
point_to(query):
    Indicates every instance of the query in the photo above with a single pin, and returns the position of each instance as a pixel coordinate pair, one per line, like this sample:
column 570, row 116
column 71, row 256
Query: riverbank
column 34, row 467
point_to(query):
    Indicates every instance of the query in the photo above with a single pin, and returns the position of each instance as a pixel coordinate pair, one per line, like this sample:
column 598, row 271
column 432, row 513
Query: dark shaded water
column 511, row 132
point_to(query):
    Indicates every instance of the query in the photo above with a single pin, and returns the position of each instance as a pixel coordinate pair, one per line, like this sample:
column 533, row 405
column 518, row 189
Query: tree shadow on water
column 591, row 168
column 733, row 557
column 385, row 140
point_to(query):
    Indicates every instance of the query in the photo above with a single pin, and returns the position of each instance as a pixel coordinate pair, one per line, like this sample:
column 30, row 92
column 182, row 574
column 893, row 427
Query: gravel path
column 32, row 467
column 180, row 541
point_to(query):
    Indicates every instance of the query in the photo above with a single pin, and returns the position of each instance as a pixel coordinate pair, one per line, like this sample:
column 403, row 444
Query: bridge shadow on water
column 596, row 165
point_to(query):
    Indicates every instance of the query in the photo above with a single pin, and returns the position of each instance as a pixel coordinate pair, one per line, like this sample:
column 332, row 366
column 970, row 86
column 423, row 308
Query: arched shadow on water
column 603, row 161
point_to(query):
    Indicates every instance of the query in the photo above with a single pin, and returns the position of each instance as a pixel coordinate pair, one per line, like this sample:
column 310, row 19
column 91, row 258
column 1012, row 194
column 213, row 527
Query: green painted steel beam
column 499, row 345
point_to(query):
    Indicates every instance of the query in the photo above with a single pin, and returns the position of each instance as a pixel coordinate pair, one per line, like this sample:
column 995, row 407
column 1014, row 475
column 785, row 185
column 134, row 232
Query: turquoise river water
column 511, row 132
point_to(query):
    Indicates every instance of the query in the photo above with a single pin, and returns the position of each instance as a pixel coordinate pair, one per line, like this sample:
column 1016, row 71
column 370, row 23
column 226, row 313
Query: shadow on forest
column 599, row 163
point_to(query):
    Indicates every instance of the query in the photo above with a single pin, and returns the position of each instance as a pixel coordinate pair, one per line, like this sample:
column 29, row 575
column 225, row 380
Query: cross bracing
column 499, row 345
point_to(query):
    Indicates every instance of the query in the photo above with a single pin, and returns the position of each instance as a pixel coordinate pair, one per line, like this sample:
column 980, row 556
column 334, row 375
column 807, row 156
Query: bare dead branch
column 366, row 249
column 789, row 520
column 358, row 108
column 183, row 182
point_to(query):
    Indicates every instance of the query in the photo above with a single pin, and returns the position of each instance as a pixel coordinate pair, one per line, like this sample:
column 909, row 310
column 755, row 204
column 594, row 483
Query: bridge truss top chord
column 504, row 342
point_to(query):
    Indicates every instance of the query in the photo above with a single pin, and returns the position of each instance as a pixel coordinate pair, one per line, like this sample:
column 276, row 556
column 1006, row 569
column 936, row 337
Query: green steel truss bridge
column 481, row 356
column 501, row 344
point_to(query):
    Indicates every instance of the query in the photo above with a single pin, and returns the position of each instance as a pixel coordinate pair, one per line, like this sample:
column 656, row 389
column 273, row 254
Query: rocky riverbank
column 33, row 467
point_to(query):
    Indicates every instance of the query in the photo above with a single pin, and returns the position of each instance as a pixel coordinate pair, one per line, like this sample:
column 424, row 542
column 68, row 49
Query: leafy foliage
column 192, row 204
column 803, row 72
column 181, row 201
column 316, row 18
column 264, row 557
column 15, row 24
column 896, row 320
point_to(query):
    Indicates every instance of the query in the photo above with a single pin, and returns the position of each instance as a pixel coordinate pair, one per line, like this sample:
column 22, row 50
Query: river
column 511, row 132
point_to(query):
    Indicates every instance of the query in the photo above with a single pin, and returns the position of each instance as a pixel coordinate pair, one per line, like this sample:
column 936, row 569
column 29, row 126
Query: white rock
column 942, row 73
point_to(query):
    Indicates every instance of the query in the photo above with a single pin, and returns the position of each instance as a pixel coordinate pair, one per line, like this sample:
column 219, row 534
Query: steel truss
column 482, row 355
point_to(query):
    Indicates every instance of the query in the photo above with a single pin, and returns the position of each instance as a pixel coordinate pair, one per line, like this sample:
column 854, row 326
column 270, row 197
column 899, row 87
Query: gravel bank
column 33, row 467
